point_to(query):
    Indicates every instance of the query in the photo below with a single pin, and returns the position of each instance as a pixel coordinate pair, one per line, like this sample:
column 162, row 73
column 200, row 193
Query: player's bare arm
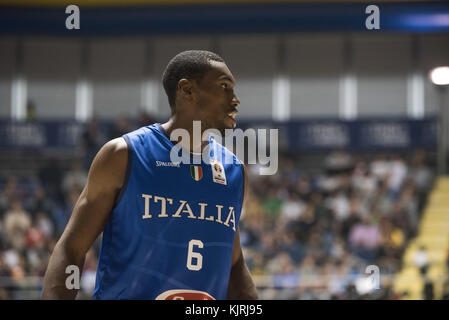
column 88, row 218
column 241, row 285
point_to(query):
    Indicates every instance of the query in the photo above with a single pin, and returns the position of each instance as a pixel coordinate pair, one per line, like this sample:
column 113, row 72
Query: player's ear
column 185, row 88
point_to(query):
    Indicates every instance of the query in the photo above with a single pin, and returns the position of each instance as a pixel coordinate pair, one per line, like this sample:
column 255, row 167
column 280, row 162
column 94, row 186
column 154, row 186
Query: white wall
column 116, row 72
column 7, row 54
column 314, row 86
column 382, row 64
column 51, row 67
column 125, row 73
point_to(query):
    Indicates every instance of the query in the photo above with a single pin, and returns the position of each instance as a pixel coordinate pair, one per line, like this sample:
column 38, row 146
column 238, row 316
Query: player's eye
column 224, row 85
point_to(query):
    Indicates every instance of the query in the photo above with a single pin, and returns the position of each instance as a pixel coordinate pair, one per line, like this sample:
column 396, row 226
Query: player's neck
column 176, row 122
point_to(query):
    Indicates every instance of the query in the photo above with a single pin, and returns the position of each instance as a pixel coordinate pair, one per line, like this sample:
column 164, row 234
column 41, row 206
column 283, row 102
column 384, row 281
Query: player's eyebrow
column 225, row 77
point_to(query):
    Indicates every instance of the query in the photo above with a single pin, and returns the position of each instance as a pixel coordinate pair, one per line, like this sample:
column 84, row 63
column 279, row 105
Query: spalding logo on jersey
column 181, row 294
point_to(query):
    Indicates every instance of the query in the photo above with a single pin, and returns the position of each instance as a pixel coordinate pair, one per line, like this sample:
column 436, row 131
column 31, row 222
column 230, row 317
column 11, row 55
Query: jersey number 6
column 194, row 255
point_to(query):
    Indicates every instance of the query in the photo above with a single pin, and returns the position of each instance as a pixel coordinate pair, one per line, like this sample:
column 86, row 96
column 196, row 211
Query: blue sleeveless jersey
column 171, row 233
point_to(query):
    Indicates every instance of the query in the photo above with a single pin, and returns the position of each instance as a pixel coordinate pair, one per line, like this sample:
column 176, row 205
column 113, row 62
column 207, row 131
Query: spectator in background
column 39, row 202
column 337, row 162
column 428, row 289
column 63, row 213
column 339, row 203
column 421, row 260
column 304, row 186
column 272, row 204
column 393, row 239
column 267, row 246
column 16, row 224
column 304, row 224
column 281, row 264
column 50, row 176
column 91, row 141
column 30, row 115
column 380, row 167
column 396, row 176
column 258, row 264
column 423, row 177
column 365, row 239
column 347, row 225
column 409, row 201
column 10, row 192
column 145, row 119
column 363, row 180
column 15, row 267
column 294, row 249
column 285, row 275
column 36, row 250
column 4, row 273
column 120, row 127
column 338, row 281
column 44, row 224
column 75, row 177
column 291, row 209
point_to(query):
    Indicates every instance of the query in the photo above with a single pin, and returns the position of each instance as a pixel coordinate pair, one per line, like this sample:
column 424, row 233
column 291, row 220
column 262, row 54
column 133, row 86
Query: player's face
column 217, row 102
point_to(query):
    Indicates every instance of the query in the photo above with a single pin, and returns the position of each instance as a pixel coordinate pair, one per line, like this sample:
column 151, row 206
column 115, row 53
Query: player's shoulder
column 109, row 165
column 115, row 150
column 140, row 134
column 117, row 145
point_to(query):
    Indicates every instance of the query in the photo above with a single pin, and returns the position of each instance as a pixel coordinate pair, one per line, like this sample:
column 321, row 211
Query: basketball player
column 170, row 230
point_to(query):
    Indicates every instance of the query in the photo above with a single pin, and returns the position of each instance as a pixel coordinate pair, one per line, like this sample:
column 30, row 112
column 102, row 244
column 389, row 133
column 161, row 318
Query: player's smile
column 232, row 115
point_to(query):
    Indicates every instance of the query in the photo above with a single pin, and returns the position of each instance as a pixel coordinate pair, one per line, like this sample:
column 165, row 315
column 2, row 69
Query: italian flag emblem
column 196, row 172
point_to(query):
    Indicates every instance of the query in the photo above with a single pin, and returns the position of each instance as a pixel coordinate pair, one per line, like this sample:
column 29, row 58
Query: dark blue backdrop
column 295, row 136
column 225, row 18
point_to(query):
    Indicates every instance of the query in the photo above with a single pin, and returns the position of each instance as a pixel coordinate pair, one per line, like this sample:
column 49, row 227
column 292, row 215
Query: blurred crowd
column 305, row 235
column 316, row 234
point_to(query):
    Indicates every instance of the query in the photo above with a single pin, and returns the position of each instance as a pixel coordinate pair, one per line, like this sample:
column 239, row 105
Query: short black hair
column 191, row 64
